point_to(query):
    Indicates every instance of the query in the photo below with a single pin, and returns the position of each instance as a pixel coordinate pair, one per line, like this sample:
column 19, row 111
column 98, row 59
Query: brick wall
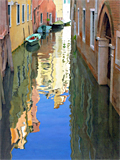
column 112, row 9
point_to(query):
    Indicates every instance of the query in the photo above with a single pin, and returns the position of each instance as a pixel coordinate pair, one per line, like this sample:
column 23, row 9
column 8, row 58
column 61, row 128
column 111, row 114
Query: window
column 47, row 15
column 50, row 17
column 78, row 21
column 27, row 12
column 92, row 27
column 18, row 14
column 83, row 26
column 41, row 18
column 31, row 11
column 69, row 1
column 64, row 1
column 117, row 57
column 23, row 13
column 34, row 17
column 9, row 14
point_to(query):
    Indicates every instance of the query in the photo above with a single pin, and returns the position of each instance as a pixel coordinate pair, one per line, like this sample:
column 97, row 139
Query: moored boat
column 58, row 24
column 44, row 29
column 33, row 39
column 68, row 23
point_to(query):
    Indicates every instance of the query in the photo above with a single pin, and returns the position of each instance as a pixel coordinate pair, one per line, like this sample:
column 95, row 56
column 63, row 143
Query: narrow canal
column 54, row 107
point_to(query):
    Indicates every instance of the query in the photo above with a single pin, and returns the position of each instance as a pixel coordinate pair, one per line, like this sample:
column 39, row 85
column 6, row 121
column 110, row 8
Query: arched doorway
column 105, row 34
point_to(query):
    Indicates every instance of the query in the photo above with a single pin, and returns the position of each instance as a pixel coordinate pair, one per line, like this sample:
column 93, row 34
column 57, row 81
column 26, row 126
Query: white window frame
column 83, row 26
column 22, row 13
column 51, row 18
column 17, row 14
column 31, row 11
column 10, row 13
column 41, row 20
column 92, row 33
column 117, row 61
column 27, row 12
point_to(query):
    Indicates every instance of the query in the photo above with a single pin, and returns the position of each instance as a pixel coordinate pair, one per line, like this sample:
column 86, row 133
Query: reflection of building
column 5, row 134
column 23, row 112
column 53, row 72
column 97, row 25
column 94, row 122
column 20, row 21
column 20, row 113
column 35, row 99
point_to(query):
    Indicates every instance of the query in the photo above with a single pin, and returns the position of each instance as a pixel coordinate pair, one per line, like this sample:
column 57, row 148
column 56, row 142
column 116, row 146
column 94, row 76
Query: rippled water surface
column 54, row 107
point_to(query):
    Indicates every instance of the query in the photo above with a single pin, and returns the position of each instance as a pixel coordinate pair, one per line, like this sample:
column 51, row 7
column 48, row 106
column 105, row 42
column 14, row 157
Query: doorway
column 104, row 53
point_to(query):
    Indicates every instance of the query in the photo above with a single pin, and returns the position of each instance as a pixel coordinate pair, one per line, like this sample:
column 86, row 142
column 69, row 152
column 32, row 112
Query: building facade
column 43, row 12
column 96, row 25
column 5, row 43
column 20, row 21
column 59, row 9
column 66, row 10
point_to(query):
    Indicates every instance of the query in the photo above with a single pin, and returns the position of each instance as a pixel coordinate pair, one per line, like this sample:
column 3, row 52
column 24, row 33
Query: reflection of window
column 18, row 14
column 117, row 58
column 18, row 75
column 23, row 13
column 68, row 1
column 27, row 12
column 23, row 72
column 83, row 28
column 9, row 13
column 64, row 1
column 92, row 28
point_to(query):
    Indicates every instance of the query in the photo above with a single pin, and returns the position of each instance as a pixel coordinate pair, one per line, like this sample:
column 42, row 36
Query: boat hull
column 57, row 26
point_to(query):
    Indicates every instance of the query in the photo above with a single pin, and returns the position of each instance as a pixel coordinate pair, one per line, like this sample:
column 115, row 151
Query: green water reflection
column 94, row 122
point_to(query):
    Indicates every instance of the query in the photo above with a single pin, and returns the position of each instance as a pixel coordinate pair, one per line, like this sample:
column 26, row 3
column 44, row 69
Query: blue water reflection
column 53, row 140
column 44, row 124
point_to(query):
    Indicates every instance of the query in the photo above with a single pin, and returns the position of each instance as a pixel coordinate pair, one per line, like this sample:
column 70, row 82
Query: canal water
column 54, row 108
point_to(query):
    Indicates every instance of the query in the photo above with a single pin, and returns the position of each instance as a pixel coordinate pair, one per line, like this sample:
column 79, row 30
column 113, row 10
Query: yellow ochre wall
column 59, row 8
column 16, row 31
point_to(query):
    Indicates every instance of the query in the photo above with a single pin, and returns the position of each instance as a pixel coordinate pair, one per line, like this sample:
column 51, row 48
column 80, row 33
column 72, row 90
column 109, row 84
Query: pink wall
column 42, row 6
column 3, row 18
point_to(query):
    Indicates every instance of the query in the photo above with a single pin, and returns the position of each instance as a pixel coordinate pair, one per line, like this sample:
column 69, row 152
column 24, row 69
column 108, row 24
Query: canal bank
column 57, row 107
